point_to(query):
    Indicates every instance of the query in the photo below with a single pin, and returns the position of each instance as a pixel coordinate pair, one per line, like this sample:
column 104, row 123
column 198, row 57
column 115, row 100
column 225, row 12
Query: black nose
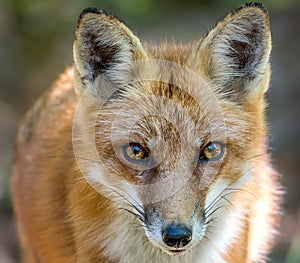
column 177, row 235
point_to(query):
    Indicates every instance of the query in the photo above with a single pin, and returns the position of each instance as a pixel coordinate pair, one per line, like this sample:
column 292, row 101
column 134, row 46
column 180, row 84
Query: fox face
column 172, row 155
column 171, row 133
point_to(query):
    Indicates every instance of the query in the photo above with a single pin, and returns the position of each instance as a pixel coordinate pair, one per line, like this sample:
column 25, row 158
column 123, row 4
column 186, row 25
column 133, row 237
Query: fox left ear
column 235, row 54
column 103, row 46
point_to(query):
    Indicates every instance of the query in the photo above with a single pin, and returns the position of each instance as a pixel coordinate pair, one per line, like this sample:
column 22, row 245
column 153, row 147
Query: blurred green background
column 36, row 45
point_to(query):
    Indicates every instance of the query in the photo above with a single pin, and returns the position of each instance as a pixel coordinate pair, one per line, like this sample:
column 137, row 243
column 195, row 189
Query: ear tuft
column 251, row 4
column 92, row 10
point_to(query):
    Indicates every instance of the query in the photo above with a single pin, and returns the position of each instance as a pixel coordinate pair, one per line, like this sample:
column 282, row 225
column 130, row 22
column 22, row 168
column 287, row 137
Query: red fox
column 151, row 153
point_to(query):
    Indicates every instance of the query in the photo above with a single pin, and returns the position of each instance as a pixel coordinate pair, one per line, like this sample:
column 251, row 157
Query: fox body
column 151, row 153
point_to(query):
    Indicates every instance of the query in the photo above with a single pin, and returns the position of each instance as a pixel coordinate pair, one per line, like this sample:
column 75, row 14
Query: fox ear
column 102, row 44
column 235, row 54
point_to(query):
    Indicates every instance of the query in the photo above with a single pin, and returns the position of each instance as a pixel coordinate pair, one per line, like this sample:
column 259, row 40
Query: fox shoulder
column 55, row 106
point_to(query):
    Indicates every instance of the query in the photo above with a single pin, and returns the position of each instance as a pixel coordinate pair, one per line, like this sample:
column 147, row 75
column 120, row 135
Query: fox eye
column 135, row 151
column 212, row 152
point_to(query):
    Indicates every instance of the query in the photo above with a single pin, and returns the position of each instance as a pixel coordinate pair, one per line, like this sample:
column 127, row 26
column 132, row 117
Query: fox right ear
column 102, row 44
column 235, row 54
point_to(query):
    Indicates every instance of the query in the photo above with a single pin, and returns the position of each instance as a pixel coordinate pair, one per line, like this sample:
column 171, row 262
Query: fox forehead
column 169, row 112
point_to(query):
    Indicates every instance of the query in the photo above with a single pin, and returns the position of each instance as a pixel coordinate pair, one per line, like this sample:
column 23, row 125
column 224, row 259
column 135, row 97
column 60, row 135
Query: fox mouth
column 177, row 252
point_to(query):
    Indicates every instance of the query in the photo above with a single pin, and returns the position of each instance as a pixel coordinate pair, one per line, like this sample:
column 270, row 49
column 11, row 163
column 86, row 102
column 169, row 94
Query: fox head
column 171, row 130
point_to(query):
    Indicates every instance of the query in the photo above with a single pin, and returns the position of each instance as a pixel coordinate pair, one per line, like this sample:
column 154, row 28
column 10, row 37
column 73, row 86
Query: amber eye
column 135, row 151
column 212, row 152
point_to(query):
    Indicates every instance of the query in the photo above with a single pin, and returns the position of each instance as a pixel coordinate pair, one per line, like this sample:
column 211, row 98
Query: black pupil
column 136, row 149
column 212, row 148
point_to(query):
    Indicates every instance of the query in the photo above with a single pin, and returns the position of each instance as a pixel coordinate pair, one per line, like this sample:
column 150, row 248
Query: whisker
column 139, row 214
column 215, row 205
column 73, row 157
column 134, row 214
column 211, row 205
column 230, row 203
column 241, row 190
column 215, row 210
column 228, row 187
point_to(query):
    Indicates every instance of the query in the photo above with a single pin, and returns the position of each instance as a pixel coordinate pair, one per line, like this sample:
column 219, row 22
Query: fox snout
column 175, row 236
column 175, row 224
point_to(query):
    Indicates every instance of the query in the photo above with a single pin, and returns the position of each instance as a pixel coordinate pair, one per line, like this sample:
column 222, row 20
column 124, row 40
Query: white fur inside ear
column 104, row 46
column 239, row 46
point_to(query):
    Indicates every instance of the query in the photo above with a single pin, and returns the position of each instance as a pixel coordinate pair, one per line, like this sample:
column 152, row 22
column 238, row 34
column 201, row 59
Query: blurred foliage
column 293, row 255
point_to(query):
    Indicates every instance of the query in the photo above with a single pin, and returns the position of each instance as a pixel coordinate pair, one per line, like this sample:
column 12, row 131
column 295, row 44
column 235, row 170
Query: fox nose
column 177, row 235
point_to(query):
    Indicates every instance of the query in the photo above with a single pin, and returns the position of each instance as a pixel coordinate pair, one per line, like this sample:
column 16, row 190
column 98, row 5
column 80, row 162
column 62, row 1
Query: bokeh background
column 36, row 45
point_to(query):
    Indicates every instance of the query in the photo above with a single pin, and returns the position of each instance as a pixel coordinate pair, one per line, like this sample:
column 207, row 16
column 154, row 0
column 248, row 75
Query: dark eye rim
column 203, row 159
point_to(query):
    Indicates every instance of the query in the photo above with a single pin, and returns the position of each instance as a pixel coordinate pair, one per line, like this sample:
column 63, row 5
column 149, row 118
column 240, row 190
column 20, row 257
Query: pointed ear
column 102, row 44
column 235, row 54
